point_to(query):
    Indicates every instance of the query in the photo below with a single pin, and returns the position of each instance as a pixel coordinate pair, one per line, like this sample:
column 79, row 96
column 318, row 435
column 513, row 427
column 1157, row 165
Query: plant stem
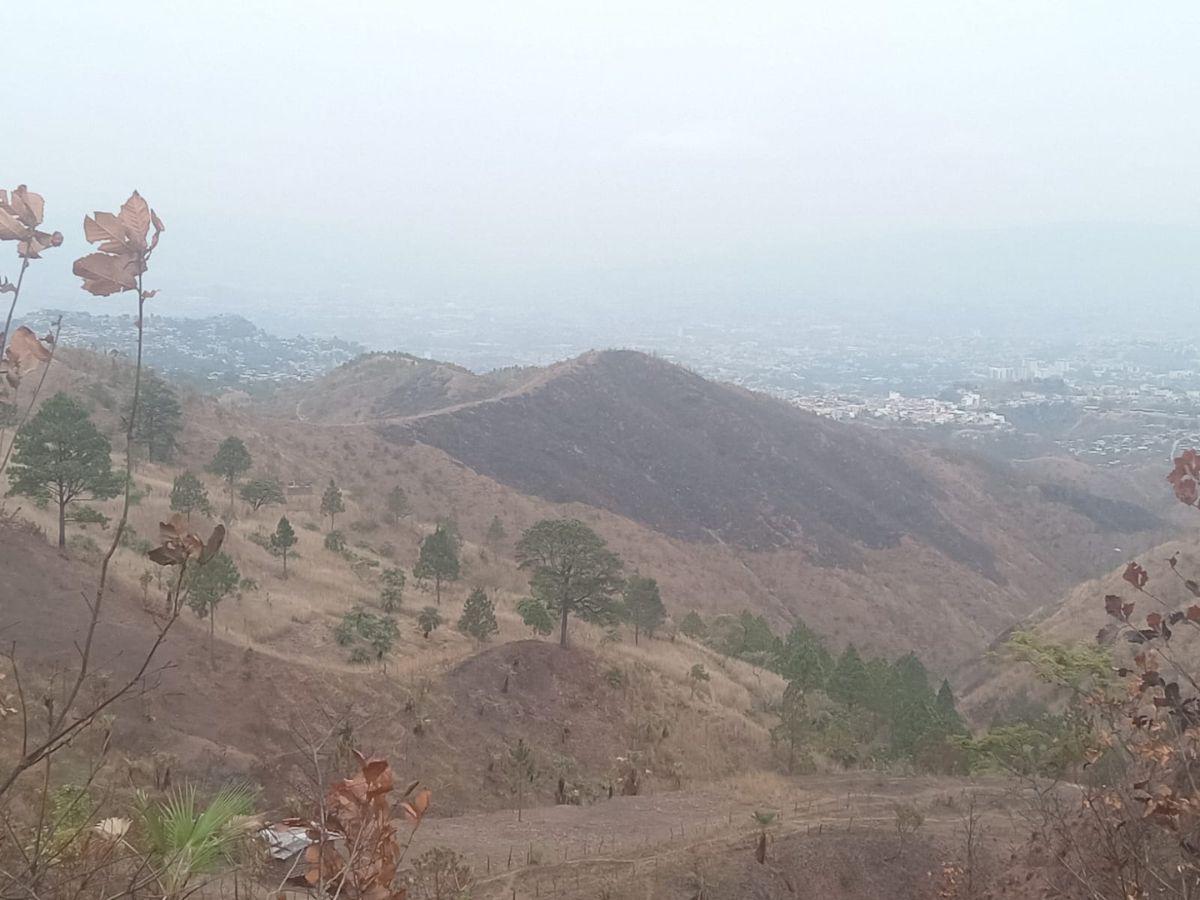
column 32, row 400
column 98, row 602
column 12, row 306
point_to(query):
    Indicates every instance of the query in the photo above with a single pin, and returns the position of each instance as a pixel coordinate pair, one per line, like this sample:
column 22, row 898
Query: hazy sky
column 614, row 154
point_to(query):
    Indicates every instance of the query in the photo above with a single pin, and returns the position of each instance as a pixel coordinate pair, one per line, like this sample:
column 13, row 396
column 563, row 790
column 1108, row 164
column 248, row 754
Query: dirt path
column 574, row 848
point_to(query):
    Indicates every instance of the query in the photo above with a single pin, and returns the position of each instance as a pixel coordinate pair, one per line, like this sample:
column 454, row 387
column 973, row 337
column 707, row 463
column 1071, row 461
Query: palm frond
column 187, row 840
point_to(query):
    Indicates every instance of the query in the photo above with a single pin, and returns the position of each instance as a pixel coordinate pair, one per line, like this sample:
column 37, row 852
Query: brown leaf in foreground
column 104, row 274
column 1135, row 575
column 122, row 250
column 20, row 215
column 180, row 545
column 23, row 352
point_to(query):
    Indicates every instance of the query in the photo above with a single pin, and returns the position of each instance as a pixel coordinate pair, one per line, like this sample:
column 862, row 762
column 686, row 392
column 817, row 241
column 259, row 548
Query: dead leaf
column 1135, row 575
column 27, row 206
column 213, row 545
column 414, row 810
column 104, row 274
column 135, row 216
column 121, row 252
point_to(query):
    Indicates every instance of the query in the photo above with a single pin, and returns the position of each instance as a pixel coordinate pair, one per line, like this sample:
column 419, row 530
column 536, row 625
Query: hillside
column 736, row 499
column 377, row 386
column 964, row 547
column 449, row 714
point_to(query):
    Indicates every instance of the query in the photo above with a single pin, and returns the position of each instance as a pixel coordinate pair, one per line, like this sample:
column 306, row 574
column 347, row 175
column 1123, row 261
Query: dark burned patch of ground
column 695, row 459
column 1105, row 513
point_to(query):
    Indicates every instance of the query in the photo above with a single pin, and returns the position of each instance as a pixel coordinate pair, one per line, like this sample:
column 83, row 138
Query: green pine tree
column 803, row 658
column 189, row 495
column 231, row 461
column 573, row 571
column 283, row 540
column 438, row 560
column 478, row 617
column 643, row 605
column 60, row 456
column 693, row 626
column 207, row 585
column 392, row 591
column 332, row 502
column 848, row 683
column 159, row 418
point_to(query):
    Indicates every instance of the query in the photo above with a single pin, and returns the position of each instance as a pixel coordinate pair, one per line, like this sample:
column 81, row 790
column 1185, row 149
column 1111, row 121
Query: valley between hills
column 732, row 501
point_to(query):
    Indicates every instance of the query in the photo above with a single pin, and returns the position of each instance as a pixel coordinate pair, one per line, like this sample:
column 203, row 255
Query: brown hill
column 379, row 386
column 867, row 534
column 731, row 499
column 700, row 460
column 588, row 713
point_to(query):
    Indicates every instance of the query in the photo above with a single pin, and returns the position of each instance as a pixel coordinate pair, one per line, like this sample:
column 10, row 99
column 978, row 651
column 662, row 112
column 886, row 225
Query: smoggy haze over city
column 998, row 163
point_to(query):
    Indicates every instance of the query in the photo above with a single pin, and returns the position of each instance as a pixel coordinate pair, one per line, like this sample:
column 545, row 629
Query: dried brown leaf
column 27, row 206
column 104, row 274
column 108, row 231
column 25, row 349
column 135, row 216
column 36, row 242
column 11, row 228
column 213, row 545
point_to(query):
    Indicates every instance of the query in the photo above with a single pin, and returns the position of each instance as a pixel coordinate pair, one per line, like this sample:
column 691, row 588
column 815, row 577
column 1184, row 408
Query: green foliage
column 207, row 585
column 947, row 709
column 231, row 461
column 438, row 559
column 496, row 533
column 189, row 495
column 534, row 614
column 614, row 677
column 698, row 677
column 848, row 682
column 1049, row 748
column 429, row 620
column 335, row 542
column 366, row 631
column 693, row 626
column 478, row 616
column 397, row 503
column 159, row 418
column 71, row 809
column 186, row 840
column 391, row 592
column 1077, row 667
column 803, row 659
column 84, row 515
column 332, row 502
column 262, row 491
column 796, row 722
column 573, row 570
column 643, row 605
column 744, row 636
column 60, row 456
column 283, row 540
